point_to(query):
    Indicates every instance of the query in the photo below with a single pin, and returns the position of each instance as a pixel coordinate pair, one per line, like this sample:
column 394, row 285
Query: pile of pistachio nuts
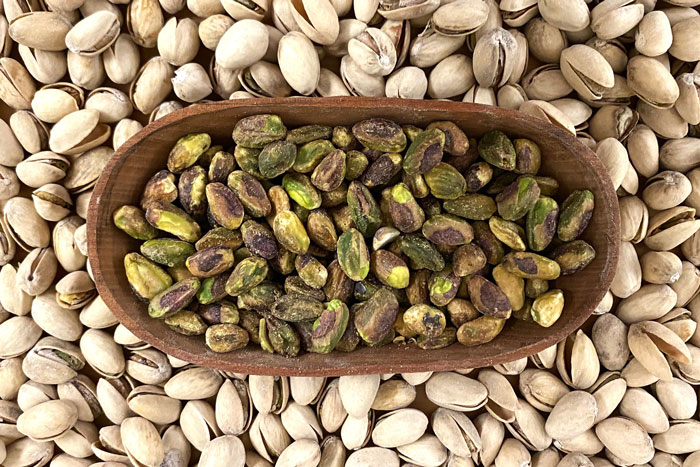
column 78, row 77
column 271, row 219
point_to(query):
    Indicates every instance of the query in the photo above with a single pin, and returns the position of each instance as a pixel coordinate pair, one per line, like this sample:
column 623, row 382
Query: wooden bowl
column 574, row 166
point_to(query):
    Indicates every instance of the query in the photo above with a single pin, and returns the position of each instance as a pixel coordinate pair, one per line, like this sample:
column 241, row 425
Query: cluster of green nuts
column 320, row 238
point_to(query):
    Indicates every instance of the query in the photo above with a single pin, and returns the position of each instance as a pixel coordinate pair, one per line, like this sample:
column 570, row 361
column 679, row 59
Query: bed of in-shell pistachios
column 422, row 220
column 78, row 77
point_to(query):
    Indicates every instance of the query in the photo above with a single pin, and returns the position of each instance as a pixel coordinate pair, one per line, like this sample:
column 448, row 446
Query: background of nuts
column 77, row 78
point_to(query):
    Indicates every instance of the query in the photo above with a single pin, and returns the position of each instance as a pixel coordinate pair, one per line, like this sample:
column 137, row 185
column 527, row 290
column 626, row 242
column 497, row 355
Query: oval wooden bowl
column 574, row 165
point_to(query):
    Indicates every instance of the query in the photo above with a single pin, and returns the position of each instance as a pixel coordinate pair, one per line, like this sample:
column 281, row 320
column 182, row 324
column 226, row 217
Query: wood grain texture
column 574, row 166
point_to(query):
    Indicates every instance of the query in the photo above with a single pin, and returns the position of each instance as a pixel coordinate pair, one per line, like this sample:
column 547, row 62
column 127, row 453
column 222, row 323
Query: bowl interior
column 574, row 166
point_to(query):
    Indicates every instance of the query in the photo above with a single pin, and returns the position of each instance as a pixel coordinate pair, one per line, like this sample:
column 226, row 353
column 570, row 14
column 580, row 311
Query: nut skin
column 508, row 232
column 390, row 269
column 220, row 236
column 250, row 193
column 425, row 320
column 301, row 190
column 211, row 289
column 259, row 240
column 443, row 286
column 528, row 156
column 461, row 311
column 330, row 172
column 339, row 285
column 477, row 176
column 364, row 210
column 160, row 187
column 456, row 142
column 219, row 313
column 293, row 285
column 541, row 223
column 222, row 338
column 210, row 261
column 311, row 154
column 472, row 206
column 406, row 214
column 224, row 207
column 186, row 322
column 422, row 254
column 496, row 149
column 531, row 266
column 480, row 331
column 573, row 256
column 167, row 251
column 445, row 181
column 311, row 271
column 468, row 259
column 511, row 285
column 425, row 152
column 307, row 133
column 576, row 213
column 145, row 277
column 487, row 241
column 535, row 287
column 187, row 150
column 329, row 328
column 353, row 255
column 260, row 298
column 276, row 158
column 355, row 165
column 295, row 308
column 132, row 221
column 221, row 165
column 320, row 228
column 290, row 232
column 247, row 274
column 547, row 308
column 174, row 298
column 488, row 298
column 247, row 160
column 257, row 131
column 281, row 337
column 382, row 170
column 175, row 221
column 380, row 134
column 375, row 318
column 191, row 191
column 516, row 200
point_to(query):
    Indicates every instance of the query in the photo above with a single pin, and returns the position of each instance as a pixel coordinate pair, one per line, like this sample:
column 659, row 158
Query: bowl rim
column 295, row 366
